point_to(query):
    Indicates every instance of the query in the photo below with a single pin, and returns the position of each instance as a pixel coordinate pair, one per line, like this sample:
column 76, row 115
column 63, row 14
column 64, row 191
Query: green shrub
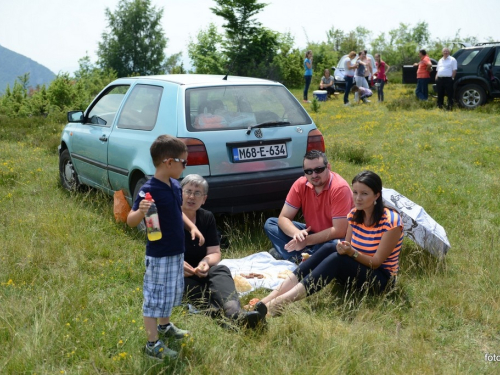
column 315, row 106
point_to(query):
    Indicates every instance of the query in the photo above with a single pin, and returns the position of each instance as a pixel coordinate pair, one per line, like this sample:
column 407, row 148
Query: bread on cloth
column 241, row 284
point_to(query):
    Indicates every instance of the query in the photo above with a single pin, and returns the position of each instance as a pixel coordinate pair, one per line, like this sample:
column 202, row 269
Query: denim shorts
column 163, row 285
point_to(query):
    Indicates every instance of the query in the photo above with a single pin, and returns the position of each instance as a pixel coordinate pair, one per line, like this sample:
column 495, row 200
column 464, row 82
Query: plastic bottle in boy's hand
column 152, row 221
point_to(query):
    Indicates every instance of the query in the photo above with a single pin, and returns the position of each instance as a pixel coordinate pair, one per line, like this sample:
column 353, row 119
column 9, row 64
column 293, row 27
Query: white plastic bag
column 417, row 224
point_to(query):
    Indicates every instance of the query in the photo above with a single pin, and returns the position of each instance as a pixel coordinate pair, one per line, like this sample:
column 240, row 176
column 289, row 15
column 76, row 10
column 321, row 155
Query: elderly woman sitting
column 206, row 282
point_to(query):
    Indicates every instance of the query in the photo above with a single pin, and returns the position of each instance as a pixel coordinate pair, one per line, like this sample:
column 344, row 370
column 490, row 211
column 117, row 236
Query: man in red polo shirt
column 423, row 75
column 325, row 199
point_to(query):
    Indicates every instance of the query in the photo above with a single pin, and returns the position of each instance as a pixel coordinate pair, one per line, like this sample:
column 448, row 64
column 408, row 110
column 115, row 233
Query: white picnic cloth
column 262, row 263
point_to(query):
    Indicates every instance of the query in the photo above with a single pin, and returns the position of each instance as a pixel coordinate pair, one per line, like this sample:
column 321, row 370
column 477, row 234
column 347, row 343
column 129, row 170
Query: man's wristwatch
column 356, row 253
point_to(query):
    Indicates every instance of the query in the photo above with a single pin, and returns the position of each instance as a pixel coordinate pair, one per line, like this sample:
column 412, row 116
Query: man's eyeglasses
column 315, row 170
column 197, row 194
column 184, row 162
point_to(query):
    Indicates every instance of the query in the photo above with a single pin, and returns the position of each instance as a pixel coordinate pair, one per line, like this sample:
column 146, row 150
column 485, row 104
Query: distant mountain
column 13, row 65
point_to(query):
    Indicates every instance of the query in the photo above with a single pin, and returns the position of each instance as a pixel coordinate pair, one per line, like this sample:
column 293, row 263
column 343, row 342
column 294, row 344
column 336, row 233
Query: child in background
column 164, row 276
column 363, row 93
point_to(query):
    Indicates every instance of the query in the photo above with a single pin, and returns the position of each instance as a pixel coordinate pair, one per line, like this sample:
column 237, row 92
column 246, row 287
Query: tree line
column 135, row 45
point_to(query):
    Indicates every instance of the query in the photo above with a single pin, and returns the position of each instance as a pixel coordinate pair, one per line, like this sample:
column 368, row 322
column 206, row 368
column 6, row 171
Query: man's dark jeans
column 422, row 90
column 348, row 85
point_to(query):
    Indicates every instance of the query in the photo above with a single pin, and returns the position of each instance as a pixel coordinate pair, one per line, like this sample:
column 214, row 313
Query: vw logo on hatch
column 258, row 133
column 298, row 129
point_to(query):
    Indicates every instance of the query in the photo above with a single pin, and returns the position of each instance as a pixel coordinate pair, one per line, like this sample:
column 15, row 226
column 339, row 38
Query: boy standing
column 164, row 276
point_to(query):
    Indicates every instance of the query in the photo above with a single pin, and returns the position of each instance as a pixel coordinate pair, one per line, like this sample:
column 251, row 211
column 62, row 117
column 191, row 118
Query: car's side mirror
column 75, row 116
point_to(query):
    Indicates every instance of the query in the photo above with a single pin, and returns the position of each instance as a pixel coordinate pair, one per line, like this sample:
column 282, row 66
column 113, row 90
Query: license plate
column 259, row 152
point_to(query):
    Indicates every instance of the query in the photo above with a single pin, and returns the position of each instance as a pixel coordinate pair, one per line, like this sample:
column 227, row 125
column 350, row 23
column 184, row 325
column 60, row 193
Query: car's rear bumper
column 339, row 85
column 250, row 192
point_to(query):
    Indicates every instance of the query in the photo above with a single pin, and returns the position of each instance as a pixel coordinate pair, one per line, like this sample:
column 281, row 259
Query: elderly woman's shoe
column 261, row 308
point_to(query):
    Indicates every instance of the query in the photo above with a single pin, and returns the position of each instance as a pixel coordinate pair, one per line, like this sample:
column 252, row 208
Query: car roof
column 197, row 79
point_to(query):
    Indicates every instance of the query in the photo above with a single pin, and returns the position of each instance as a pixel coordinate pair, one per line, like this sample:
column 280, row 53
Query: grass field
column 70, row 277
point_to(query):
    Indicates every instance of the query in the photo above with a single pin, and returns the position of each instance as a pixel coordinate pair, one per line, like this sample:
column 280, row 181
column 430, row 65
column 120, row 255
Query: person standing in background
column 423, row 75
column 369, row 70
column 359, row 75
column 382, row 68
column 308, row 61
column 349, row 69
column 445, row 76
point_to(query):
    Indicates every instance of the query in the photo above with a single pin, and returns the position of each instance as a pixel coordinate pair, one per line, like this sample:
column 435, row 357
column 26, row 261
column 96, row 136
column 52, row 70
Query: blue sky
column 56, row 33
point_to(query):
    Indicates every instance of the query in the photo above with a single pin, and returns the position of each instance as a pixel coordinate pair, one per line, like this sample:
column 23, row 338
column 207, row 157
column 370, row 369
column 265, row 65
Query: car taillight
column 197, row 153
column 315, row 141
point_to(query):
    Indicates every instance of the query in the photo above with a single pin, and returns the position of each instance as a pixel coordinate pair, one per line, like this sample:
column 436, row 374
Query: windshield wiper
column 267, row 124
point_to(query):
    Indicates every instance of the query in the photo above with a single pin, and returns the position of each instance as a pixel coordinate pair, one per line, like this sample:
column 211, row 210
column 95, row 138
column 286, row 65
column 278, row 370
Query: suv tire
column 471, row 96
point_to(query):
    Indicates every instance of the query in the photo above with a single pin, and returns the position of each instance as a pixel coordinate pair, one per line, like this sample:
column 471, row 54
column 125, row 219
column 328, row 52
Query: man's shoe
column 159, row 351
column 275, row 254
column 173, row 331
column 251, row 319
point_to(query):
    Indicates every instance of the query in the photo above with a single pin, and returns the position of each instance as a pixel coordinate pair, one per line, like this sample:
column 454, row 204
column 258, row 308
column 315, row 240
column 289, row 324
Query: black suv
column 478, row 74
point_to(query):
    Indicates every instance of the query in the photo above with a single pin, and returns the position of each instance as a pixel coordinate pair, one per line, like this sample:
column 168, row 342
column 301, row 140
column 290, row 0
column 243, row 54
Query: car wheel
column 67, row 173
column 471, row 96
column 138, row 185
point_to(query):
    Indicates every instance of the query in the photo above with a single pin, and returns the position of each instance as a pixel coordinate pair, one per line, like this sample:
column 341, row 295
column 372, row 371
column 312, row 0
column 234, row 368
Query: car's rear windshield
column 237, row 107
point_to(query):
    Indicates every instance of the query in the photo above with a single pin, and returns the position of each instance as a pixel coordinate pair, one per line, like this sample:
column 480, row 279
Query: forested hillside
column 13, row 65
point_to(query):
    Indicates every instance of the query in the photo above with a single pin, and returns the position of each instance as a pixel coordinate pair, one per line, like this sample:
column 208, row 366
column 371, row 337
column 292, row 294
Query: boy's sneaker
column 160, row 351
column 173, row 331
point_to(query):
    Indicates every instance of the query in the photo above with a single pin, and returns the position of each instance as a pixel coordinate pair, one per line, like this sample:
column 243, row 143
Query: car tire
column 67, row 173
column 137, row 187
column 471, row 96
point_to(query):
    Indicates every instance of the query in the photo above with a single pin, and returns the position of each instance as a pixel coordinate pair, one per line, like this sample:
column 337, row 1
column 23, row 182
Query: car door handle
column 103, row 138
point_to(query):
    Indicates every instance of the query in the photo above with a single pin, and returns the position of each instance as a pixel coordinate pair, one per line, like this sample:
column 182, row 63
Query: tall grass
column 71, row 278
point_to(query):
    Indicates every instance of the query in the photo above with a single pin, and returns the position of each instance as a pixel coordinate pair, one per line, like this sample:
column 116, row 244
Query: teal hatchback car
column 247, row 137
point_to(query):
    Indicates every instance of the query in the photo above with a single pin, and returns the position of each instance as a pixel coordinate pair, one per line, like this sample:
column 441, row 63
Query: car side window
column 140, row 111
column 103, row 112
column 497, row 58
column 466, row 57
